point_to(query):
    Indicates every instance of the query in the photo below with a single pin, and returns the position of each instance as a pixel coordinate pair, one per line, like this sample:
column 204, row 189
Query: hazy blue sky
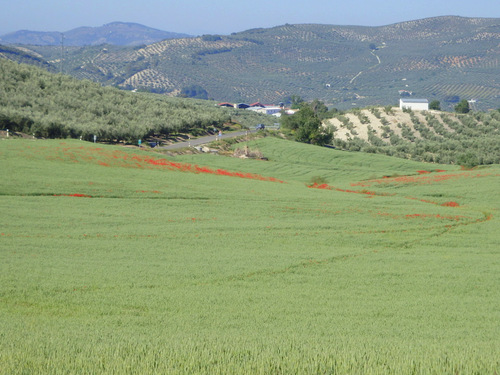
column 226, row 16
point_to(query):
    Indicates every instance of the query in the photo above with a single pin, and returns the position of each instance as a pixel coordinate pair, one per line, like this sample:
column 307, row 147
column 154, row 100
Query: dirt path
column 371, row 67
column 203, row 140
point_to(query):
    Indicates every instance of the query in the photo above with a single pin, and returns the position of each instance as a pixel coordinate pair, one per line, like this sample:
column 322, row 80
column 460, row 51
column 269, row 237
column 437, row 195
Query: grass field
column 116, row 261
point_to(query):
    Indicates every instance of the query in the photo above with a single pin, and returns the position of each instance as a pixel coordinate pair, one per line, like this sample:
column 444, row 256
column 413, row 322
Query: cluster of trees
column 461, row 107
column 51, row 105
column 306, row 125
column 194, row 91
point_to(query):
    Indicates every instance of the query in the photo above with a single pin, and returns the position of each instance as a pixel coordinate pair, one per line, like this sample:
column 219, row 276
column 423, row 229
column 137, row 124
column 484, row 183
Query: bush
column 468, row 160
column 462, row 107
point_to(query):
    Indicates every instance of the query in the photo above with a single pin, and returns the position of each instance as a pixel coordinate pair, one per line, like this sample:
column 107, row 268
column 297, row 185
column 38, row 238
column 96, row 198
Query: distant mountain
column 116, row 33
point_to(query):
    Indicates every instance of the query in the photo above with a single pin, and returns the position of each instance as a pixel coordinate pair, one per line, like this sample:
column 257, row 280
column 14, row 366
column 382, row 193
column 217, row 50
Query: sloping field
column 387, row 122
column 116, row 261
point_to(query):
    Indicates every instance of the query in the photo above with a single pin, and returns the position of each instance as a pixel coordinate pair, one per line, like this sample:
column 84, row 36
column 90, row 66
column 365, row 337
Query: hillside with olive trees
column 443, row 58
column 50, row 105
column 431, row 136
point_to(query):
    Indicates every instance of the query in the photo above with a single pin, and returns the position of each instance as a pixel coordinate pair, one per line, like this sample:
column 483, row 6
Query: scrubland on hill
column 320, row 261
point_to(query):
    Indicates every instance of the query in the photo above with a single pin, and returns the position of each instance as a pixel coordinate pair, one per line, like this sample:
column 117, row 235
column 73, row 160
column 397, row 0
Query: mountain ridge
column 116, row 33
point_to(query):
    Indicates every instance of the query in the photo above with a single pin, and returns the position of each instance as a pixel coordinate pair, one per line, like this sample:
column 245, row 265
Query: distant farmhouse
column 261, row 108
column 414, row 104
column 269, row 110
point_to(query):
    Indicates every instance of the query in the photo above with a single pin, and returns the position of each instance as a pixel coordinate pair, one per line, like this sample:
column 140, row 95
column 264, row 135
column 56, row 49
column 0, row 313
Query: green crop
column 116, row 261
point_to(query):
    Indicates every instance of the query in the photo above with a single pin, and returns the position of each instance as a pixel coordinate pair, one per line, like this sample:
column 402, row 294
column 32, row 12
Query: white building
column 414, row 104
column 276, row 111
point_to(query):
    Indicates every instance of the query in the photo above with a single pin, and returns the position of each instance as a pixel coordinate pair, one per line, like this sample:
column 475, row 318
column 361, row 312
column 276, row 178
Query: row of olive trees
column 474, row 139
column 54, row 105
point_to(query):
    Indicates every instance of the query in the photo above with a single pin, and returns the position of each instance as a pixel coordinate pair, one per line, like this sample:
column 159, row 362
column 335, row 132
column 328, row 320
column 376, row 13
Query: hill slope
column 431, row 136
column 51, row 105
column 444, row 58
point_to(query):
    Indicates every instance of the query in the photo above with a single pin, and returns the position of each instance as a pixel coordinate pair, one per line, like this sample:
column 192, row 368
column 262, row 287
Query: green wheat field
column 316, row 261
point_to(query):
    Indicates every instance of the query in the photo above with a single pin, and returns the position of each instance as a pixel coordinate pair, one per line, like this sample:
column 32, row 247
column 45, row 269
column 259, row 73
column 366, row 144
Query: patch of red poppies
column 328, row 187
column 73, row 195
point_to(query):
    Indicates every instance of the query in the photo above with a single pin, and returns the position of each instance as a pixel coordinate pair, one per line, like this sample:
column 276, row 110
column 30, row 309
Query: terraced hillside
column 443, row 58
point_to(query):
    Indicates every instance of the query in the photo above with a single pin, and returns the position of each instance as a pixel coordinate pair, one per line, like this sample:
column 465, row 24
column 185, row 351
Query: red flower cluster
column 328, row 187
column 443, row 217
column 186, row 167
column 116, row 158
column 450, row 204
column 73, row 195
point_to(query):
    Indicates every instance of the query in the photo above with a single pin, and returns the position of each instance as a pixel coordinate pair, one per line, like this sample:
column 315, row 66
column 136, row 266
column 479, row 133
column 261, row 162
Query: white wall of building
column 414, row 104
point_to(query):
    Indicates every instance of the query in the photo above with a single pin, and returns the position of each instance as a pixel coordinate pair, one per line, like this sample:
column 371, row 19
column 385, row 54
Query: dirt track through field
column 204, row 140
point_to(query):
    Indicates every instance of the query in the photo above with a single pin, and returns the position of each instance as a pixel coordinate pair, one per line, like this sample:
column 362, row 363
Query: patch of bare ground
column 341, row 132
column 361, row 129
column 404, row 118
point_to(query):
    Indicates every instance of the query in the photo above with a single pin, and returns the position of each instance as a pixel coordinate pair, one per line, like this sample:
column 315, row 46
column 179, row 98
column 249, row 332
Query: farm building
column 414, row 104
column 276, row 111
column 257, row 104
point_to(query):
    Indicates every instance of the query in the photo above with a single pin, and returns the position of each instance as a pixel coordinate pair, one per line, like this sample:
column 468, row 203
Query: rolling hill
column 443, row 58
column 34, row 101
column 431, row 136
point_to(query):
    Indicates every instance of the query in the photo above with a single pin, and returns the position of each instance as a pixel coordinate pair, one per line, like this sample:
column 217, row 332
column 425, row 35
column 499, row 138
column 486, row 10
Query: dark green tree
column 307, row 127
column 435, row 104
column 319, row 108
column 295, row 101
column 194, row 91
column 462, row 106
column 468, row 160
